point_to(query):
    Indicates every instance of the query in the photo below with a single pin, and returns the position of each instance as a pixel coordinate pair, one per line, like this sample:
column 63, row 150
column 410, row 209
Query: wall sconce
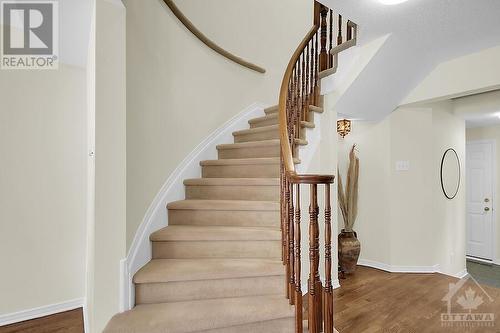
column 343, row 127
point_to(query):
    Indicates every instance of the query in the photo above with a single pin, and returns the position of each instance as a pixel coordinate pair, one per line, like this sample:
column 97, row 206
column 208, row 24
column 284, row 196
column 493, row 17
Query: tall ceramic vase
column 349, row 249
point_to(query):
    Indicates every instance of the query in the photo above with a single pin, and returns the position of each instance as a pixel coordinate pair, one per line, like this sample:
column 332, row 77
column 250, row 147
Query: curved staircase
column 217, row 267
column 230, row 259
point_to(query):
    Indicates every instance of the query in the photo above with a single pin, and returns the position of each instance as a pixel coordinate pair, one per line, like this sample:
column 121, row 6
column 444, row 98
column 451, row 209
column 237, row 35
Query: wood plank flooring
column 64, row 322
column 373, row 301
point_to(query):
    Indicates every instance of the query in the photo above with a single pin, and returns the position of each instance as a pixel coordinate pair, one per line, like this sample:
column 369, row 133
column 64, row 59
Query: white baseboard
column 47, row 310
column 399, row 269
column 173, row 189
column 462, row 274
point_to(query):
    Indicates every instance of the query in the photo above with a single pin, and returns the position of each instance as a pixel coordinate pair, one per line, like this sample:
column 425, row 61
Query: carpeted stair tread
column 274, row 109
column 232, row 182
column 224, row 205
column 245, row 161
column 200, row 315
column 215, row 233
column 170, row 270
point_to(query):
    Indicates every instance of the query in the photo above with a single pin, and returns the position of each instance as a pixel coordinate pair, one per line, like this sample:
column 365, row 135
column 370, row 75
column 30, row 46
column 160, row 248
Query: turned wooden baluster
column 312, row 97
column 287, row 237
column 314, row 297
column 339, row 37
column 330, row 56
column 302, row 96
column 349, row 30
column 303, row 111
column 316, row 72
column 291, row 286
column 298, row 270
column 328, row 293
column 282, row 210
column 307, row 91
column 298, row 101
column 323, row 55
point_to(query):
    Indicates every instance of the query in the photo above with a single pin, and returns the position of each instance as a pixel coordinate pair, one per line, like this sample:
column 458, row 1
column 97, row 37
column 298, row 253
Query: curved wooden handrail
column 208, row 42
column 286, row 149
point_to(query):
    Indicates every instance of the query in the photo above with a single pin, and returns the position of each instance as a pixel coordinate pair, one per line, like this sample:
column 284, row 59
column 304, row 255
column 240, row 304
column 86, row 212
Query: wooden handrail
column 286, row 149
column 208, row 42
column 299, row 91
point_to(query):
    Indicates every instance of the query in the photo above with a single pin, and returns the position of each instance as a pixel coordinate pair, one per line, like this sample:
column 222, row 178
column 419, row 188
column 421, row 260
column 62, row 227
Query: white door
column 479, row 170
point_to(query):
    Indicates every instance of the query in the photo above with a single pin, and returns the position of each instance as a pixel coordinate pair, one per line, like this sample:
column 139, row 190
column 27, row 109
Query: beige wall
column 42, row 187
column 474, row 73
column 404, row 219
column 110, row 162
column 372, row 224
column 179, row 91
column 449, row 216
column 491, row 133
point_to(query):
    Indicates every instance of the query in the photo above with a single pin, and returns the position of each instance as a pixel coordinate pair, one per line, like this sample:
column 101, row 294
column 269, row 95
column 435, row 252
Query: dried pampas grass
column 348, row 199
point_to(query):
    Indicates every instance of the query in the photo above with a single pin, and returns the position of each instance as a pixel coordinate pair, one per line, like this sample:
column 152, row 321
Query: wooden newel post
column 323, row 55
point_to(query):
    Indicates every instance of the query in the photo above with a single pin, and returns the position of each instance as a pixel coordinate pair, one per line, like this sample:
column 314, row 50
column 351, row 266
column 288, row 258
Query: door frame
column 495, row 260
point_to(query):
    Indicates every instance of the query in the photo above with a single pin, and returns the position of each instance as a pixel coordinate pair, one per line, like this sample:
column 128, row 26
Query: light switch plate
column 402, row 165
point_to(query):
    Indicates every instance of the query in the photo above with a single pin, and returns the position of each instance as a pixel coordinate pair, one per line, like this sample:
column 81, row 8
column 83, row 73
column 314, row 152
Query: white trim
column 399, row 269
column 479, row 260
column 86, row 319
column 47, row 310
column 124, row 288
column 90, row 200
column 461, row 275
column 495, row 176
column 117, row 3
column 172, row 190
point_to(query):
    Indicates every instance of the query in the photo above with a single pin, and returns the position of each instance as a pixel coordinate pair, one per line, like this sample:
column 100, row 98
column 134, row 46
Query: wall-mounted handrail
column 208, row 42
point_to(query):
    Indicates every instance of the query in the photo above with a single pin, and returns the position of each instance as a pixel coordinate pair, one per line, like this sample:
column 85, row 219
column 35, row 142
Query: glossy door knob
column 486, row 209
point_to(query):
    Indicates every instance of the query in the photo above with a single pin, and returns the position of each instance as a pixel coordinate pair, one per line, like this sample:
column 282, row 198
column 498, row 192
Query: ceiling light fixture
column 391, row 2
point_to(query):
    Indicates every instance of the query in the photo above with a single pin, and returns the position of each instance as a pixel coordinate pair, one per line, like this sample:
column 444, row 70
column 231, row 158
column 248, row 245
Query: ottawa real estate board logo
column 30, row 34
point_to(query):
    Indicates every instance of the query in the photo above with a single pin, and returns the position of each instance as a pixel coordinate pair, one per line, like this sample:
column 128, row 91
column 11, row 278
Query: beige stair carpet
column 217, row 267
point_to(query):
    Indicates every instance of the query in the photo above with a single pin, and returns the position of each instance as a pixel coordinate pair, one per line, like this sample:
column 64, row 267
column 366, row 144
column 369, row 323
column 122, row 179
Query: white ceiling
column 423, row 34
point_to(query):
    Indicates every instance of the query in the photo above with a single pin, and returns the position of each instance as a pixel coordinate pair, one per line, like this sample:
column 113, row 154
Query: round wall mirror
column 450, row 173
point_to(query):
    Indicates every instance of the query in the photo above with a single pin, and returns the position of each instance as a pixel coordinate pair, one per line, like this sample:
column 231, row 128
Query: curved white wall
column 179, row 91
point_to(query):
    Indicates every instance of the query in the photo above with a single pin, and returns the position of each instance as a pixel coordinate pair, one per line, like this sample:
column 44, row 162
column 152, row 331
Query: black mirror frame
column 459, row 174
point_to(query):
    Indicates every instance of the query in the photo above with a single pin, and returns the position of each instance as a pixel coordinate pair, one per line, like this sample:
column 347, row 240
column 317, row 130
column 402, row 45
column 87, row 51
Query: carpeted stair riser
column 285, row 325
column 217, row 249
column 257, row 134
column 224, row 218
column 147, row 293
column 266, row 148
column 242, row 192
column 241, row 171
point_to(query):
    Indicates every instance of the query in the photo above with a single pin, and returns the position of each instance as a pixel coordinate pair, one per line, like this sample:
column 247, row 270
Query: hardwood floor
column 65, row 322
column 373, row 301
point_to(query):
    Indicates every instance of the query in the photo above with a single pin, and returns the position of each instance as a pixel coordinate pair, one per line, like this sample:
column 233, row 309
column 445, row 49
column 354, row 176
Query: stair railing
column 315, row 57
